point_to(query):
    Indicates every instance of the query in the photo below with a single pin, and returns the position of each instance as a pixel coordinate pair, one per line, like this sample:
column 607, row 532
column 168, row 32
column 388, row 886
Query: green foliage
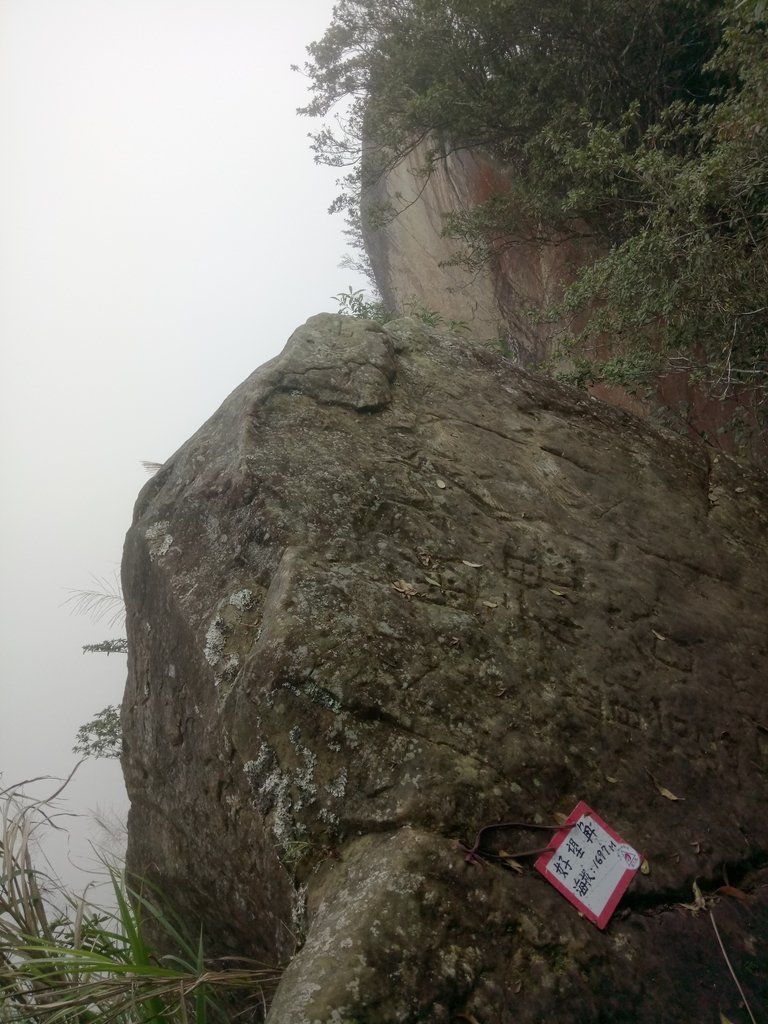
column 497, row 74
column 354, row 303
column 638, row 127
column 631, row 370
column 689, row 263
column 102, row 736
column 119, row 646
column 106, row 599
column 432, row 318
column 63, row 959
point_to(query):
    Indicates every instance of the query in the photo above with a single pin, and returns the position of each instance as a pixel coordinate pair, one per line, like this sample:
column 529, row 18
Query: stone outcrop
column 416, row 263
column 396, row 589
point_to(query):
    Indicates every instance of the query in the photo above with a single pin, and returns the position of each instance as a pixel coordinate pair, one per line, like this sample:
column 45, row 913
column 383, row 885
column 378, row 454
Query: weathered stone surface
column 396, row 589
column 416, row 262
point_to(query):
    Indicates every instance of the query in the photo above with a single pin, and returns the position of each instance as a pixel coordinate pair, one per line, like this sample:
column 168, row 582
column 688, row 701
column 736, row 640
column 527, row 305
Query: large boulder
column 395, row 590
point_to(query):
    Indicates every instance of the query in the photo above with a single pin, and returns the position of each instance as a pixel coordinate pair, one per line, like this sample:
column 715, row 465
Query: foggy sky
column 163, row 229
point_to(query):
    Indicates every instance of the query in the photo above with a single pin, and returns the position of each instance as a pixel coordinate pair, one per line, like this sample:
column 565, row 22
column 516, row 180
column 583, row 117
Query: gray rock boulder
column 395, row 590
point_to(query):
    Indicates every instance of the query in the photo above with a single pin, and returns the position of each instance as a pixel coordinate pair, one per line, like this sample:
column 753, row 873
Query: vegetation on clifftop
column 640, row 127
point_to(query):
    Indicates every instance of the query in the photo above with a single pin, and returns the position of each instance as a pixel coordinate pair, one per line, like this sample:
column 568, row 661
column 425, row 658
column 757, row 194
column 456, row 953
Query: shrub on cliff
column 640, row 126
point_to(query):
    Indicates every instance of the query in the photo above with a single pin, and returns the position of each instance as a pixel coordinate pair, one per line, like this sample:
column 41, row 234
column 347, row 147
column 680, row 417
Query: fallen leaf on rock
column 645, row 868
column 737, row 894
column 724, row 1019
column 440, row 484
column 700, row 901
column 405, row 588
column 491, row 604
column 666, row 793
column 740, row 490
column 509, row 862
column 659, row 636
column 610, row 778
column 431, row 580
column 472, row 565
column 557, row 593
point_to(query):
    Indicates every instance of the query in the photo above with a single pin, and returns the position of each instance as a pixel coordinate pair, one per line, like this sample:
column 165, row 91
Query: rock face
column 395, row 590
column 414, row 262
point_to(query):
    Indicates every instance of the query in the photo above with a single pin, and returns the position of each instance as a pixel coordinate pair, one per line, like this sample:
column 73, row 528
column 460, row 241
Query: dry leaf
column 491, row 604
column 440, row 484
column 666, row 793
column 472, row 565
column 659, row 636
column 724, row 1019
column 432, row 581
column 560, row 818
column 737, row 894
column 405, row 588
column 740, row 490
column 509, row 861
column 610, row 778
column 645, row 868
column 557, row 593
column 700, row 901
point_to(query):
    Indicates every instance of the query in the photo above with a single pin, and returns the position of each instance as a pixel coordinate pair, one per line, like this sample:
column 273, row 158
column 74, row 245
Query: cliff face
column 413, row 260
column 396, row 590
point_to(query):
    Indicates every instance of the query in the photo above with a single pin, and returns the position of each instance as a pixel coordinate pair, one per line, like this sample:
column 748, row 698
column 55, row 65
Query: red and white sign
column 590, row 864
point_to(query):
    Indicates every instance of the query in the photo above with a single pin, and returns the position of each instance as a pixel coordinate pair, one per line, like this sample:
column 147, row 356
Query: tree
column 638, row 125
column 686, row 277
column 101, row 737
column 500, row 75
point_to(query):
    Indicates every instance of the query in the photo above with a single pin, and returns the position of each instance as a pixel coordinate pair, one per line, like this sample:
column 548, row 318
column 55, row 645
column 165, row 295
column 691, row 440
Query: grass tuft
column 65, row 959
column 104, row 600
